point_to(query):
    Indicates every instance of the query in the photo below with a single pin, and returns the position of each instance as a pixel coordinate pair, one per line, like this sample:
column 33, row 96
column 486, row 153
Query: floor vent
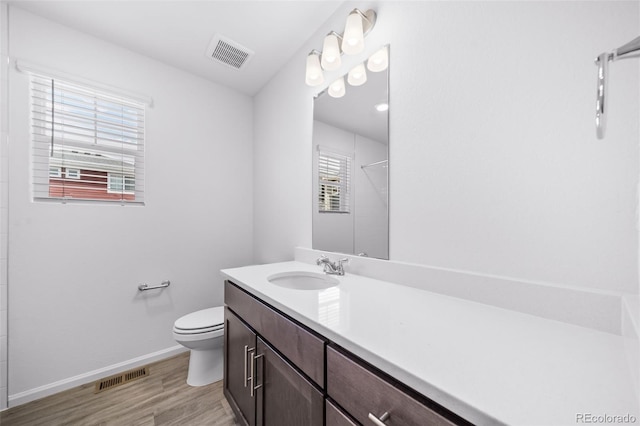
column 120, row 379
column 228, row 52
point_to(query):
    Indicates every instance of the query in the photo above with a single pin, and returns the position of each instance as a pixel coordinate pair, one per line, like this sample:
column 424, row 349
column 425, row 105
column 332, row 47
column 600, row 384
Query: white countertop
column 487, row 364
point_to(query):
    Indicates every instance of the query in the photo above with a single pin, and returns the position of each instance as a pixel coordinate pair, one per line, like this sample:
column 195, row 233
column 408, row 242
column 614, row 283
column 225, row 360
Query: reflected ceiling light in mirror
column 357, row 76
column 337, row 89
column 331, row 52
column 314, row 75
column 382, row 107
column 379, row 61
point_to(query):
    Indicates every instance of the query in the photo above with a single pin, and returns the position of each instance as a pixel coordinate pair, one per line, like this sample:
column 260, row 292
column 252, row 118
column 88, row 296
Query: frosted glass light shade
column 331, row 53
column 353, row 38
column 357, row 76
column 313, row 75
column 379, row 61
column 337, row 88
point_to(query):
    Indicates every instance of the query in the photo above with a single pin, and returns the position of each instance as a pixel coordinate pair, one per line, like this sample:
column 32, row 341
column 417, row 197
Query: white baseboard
column 71, row 382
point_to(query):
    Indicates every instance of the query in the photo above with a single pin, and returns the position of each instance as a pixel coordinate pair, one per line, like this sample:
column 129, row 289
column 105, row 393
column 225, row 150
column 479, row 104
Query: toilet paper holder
column 145, row 287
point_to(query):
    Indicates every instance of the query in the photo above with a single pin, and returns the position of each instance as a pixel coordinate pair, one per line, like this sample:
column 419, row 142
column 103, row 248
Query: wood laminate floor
column 163, row 398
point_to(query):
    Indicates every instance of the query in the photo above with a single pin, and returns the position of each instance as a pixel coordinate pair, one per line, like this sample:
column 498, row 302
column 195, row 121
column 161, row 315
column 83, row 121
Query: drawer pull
column 247, row 349
column 379, row 421
column 252, row 379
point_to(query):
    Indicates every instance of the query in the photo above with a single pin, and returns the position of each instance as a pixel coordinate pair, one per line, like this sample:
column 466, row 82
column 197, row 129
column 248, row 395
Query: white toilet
column 203, row 333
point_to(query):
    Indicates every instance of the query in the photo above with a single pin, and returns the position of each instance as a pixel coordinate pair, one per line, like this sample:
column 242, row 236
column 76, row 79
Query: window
column 72, row 173
column 88, row 144
column 334, row 180
column 120, row 184
column 55, row 172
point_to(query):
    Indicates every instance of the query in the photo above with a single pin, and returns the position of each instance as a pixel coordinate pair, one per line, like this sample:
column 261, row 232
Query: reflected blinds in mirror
column 334, row 182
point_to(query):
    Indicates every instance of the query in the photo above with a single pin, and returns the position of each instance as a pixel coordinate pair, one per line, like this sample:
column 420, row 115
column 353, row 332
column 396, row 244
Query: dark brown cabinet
column 371, row 399
column 284, row 397
column 280, row 373
column 335, row 417
column 299, row 345
column 240, row 344
column 263, row 387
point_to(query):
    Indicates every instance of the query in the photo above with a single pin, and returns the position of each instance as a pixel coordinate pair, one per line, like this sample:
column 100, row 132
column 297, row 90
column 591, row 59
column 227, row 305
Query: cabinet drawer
column 360, row 392
column 299, row 345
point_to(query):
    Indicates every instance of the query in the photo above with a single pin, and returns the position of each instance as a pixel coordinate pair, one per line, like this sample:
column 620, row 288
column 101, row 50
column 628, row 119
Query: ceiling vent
column 228, row 52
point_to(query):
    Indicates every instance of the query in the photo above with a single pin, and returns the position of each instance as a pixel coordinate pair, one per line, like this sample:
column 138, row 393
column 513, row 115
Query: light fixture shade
column 357, row 75
column 331, row 53
column 314, row 75
column 379, row 61
column 337, row 88
column 353, row 38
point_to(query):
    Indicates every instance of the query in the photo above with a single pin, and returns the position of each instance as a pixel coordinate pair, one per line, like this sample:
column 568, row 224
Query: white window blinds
column 334, row 180
column 87, row 144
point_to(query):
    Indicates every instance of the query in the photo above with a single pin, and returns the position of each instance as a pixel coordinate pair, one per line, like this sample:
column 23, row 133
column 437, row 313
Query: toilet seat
column 198, row 331
column 203, row 321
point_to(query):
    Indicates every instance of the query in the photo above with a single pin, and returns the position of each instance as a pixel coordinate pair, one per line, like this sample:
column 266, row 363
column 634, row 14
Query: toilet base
column 205, row 367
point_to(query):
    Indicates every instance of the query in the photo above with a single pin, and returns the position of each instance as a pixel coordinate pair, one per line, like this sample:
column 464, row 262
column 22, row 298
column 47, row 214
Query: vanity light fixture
column 351, row 42
column 337, row 88
column 357, row 76
column 358, row 25
column 379, row 61
column 314, row 75
column 331, row 52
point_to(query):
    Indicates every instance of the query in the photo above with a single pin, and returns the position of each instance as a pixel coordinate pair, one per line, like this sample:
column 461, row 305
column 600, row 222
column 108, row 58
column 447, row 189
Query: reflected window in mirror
column 334, row 182
column 350, row 165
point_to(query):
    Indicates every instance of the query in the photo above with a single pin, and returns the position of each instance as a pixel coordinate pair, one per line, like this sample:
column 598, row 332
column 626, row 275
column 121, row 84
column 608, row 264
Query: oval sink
column 303, row 280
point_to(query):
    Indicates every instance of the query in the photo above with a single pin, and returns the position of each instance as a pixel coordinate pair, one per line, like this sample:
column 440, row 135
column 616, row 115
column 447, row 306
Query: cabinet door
column 284, row 396
column 240, row 345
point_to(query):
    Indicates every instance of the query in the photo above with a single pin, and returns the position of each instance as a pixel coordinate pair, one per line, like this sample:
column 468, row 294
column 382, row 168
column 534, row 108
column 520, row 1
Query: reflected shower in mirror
column 350, row 162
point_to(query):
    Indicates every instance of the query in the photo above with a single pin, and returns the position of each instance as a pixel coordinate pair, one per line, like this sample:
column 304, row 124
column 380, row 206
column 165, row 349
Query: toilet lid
column 205, row 318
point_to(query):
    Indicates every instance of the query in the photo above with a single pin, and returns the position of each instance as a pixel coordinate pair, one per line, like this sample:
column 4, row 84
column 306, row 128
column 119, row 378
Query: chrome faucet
column 332, row 268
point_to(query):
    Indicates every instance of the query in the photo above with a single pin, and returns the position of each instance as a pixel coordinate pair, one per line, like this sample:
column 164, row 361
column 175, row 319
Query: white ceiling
column 178, row 32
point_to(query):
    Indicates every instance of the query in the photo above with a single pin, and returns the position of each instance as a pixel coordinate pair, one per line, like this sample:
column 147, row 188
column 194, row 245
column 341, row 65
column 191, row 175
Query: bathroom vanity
column 279, row 372
column 372, row 352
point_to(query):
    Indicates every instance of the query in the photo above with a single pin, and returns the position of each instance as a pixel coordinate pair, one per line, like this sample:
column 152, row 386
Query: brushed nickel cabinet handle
column 254, row 388
column 247, row 349
column 379, row 421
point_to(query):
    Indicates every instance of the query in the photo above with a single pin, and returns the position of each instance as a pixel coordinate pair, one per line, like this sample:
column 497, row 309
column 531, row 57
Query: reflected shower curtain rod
column 629, row 50
column 374, row 164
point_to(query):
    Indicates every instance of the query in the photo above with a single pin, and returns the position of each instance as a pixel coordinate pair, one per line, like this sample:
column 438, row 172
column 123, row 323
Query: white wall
column 495, row 167
column 74, row 268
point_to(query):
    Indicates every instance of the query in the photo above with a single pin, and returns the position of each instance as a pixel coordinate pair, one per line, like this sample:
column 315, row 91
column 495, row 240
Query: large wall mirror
column 350, row 167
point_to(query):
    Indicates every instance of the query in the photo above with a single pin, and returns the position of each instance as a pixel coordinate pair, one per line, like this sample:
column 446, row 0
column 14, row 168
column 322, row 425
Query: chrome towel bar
column 145, row 287
column 629, row 50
